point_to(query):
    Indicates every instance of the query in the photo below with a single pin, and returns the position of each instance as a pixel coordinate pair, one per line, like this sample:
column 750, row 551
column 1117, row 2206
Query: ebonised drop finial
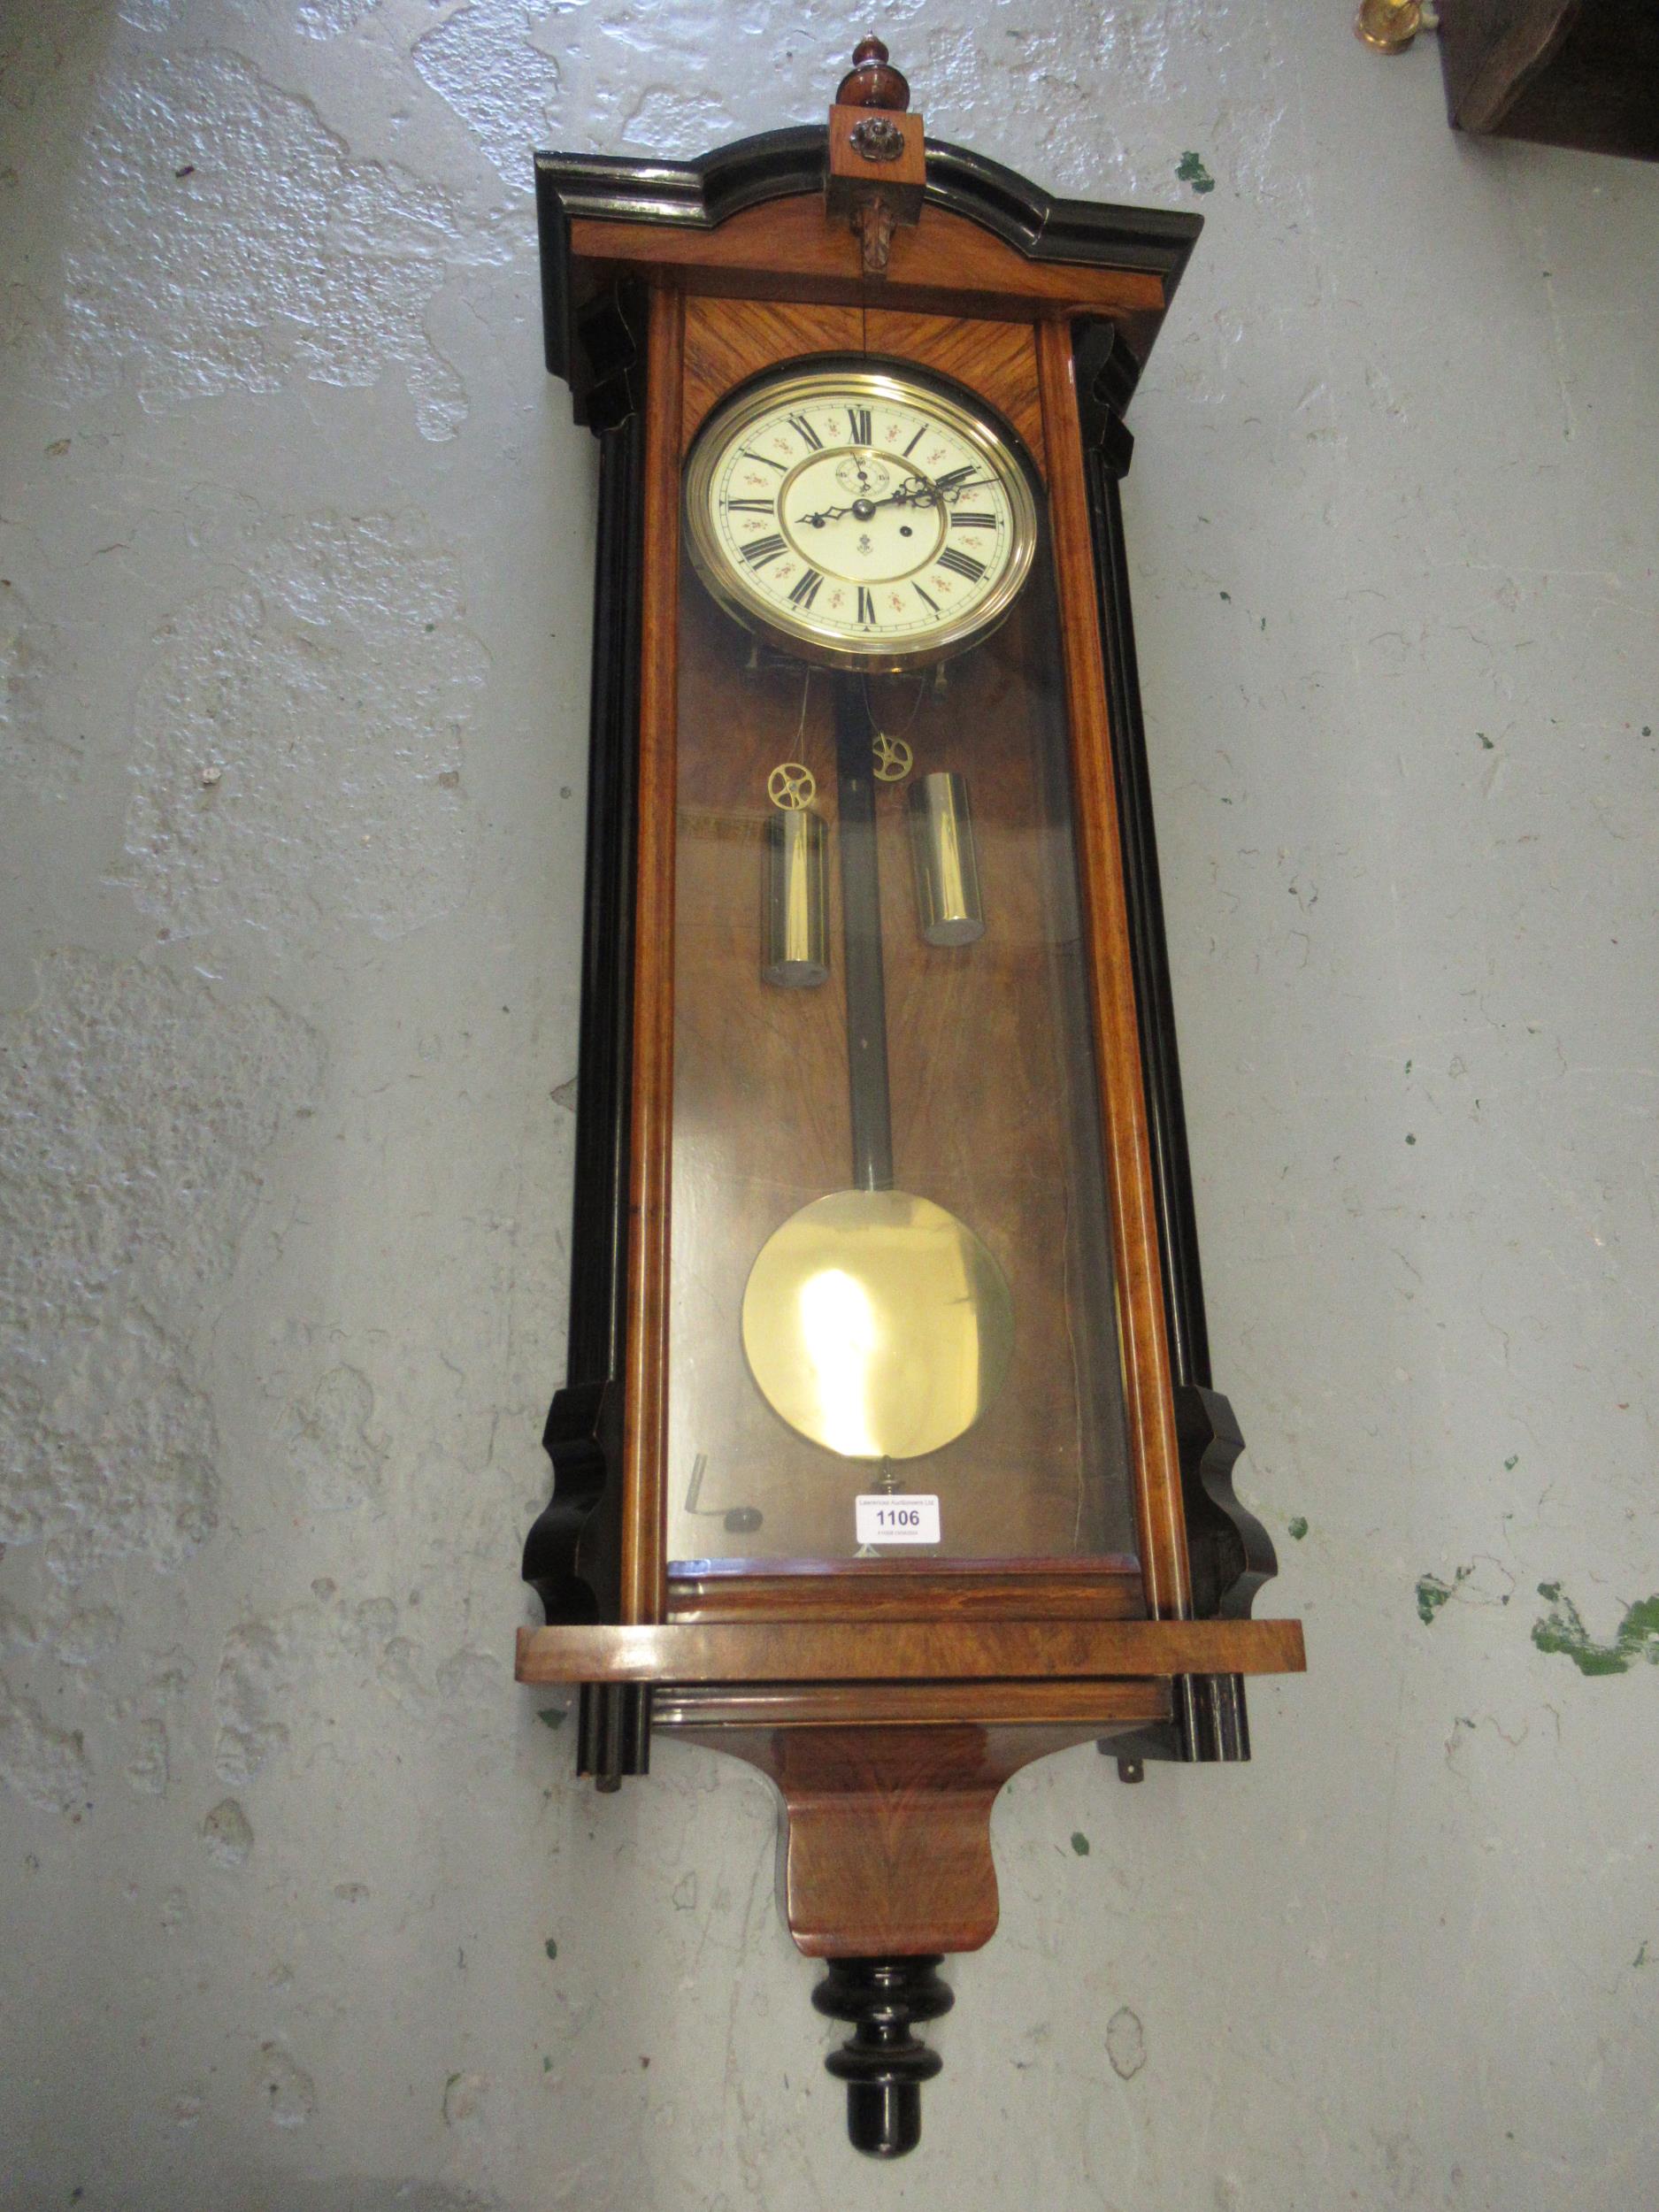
column 881, row 2062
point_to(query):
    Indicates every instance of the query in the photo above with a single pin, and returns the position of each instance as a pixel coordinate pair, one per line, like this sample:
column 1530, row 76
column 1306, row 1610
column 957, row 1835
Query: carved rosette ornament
column 876, row 139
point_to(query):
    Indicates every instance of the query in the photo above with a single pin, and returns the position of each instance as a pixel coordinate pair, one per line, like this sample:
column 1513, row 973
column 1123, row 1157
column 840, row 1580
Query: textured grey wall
column 302, row 1908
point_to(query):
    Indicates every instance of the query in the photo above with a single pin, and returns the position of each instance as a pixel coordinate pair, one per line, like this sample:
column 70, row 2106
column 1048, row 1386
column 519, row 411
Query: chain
column 875, row 729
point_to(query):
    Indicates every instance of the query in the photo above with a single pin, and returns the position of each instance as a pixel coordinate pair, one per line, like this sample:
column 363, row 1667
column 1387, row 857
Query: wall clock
column 888, row 1458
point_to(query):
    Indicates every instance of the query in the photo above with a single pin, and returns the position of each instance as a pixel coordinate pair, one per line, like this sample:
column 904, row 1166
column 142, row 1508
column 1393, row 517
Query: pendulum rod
column 861, row 937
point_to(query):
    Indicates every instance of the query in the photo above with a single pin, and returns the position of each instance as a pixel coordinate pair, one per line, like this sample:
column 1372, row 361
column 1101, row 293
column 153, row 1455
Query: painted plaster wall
column 303, row 1908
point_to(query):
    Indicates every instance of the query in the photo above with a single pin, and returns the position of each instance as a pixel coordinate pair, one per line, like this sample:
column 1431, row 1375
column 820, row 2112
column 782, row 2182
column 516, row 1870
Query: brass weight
column 797, row 901
column 947, row 903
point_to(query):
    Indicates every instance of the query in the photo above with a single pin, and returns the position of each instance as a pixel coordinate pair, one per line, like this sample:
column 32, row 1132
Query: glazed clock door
column 890, row 1274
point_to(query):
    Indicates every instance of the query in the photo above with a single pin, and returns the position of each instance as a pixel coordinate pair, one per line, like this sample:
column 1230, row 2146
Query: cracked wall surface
column 303, row 1907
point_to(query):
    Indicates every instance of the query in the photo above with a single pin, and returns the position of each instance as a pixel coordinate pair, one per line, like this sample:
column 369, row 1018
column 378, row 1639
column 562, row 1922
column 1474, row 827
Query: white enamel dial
column 862, row 515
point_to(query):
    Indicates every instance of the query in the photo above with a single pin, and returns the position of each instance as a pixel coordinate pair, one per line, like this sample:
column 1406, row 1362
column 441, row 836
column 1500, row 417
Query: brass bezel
column 799, row 634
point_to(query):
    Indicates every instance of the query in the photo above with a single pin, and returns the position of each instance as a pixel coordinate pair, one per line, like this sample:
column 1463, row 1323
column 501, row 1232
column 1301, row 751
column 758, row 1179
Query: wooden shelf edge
column 870, row 1590
column 1106, row 1708
column 907, row 1651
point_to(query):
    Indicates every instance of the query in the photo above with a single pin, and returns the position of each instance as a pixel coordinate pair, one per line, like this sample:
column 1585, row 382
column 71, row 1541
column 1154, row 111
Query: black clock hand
column 948, row 487
column 862, row 508
column 919, row 493
column 954, row 481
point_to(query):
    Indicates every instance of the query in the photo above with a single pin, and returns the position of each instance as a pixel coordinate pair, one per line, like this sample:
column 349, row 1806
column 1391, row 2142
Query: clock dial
column 865, row 518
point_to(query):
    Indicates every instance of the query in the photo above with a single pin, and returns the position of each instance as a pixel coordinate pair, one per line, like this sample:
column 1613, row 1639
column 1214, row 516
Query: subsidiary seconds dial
column 862, row 517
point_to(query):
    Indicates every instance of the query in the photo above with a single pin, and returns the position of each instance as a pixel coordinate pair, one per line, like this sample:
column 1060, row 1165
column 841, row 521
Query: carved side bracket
column 573, row 1553
column 1230, row 1551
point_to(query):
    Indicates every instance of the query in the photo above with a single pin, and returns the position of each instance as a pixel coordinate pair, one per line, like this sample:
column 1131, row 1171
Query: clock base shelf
column 901, row 1651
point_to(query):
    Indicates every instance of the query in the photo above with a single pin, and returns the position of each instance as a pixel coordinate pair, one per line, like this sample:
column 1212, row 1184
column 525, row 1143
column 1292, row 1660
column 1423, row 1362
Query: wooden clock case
column 889, row 1702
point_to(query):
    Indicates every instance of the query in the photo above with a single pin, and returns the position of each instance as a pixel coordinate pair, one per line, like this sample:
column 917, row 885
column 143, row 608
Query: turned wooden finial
column 878, row 161
column 872, row 82
column 881, row 2062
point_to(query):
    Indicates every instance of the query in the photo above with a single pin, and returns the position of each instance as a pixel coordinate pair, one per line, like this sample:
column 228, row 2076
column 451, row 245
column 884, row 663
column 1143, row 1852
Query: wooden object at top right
column 1562, row 72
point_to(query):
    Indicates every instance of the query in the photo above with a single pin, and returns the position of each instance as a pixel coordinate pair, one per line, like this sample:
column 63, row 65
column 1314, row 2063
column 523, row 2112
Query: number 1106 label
column 898, row 1519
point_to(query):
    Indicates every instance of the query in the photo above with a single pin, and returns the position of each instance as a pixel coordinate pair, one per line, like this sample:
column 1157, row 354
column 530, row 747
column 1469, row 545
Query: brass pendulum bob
column 875, row 1322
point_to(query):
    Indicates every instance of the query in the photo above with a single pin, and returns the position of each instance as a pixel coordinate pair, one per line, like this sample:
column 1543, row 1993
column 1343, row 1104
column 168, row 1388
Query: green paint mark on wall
column 1562, row 1630
column 1191, row 170
column 1298, row 1528
column 1486, row 742
column 1432, row 1592
column 552, row 1949
column 1079, row 1843
column 1641, row 1958
column 1512, row 1462
column 552, row 1715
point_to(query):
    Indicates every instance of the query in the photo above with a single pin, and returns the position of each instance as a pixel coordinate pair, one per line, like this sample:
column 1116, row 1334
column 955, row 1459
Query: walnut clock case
column 888, row 1458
